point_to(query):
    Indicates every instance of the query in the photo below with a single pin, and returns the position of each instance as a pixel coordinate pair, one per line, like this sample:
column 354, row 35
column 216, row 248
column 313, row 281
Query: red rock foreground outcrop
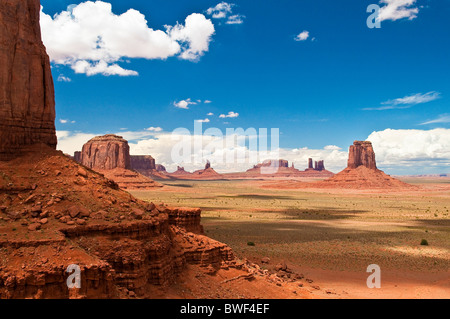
column 57, row 216
column 55, row 213
column 110, row 156
column 27, row 103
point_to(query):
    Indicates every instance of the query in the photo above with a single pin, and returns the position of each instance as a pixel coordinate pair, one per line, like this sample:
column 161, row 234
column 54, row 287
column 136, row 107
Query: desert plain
column 330, row 236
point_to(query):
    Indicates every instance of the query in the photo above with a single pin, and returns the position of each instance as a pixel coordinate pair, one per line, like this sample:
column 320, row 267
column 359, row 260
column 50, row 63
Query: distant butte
column 362, row 171
column 280, row 168
column 110, row 156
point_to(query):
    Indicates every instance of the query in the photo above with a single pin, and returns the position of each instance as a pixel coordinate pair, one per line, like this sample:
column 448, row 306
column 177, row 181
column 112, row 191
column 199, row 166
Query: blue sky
column 340, row 84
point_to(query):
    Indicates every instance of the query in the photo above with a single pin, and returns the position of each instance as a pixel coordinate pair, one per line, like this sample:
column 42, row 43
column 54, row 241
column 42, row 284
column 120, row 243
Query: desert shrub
column 424, row 242
column 250, row 243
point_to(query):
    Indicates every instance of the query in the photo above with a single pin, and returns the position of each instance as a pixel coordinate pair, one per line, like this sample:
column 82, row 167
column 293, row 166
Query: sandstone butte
column 361, row 171
column 281, row 169
column 208, row 173
column 27, row 103
column 110, row 156
column 146, row 165
column 55, row 212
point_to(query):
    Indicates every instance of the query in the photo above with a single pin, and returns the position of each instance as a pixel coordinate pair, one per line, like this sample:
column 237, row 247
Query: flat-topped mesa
column 27, row 98
column 142, row 162
column 362, row 172
column 160, row 168
column 106, row 153
column 362, row 154
column 275, row 163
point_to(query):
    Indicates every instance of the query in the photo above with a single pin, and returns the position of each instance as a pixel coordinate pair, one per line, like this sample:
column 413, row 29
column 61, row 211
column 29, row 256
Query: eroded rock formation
column 146, row 165
column 77, row 157
column 274, row 163
column 318, row 165
column 160, row 168
column 121, row 244
column 362, row 171
column 56, row 213
column 110, row 156
column 280, row 168
column 180, row 172
column 361, row 154
column 106, row 152
column 27, row 102
column 142, row 163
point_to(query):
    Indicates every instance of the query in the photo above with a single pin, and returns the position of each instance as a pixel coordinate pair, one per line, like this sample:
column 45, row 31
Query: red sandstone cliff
column 362, row 171
column 110, row 156
column 361, row 153
column 142, row 163
column 27, row 102
column 146, row 165
column 56, row 213
column 106, row 153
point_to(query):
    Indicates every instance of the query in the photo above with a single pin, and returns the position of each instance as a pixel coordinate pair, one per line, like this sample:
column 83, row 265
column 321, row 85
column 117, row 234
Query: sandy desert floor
column 331, row 236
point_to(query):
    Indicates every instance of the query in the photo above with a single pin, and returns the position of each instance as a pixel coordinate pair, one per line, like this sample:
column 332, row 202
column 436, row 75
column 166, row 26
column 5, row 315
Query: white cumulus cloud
column 398, row 9
column 62, row 78
column 91, row 39
column 397, row 151
column 415, row 151
column 224, row 10
column 303, row 36
column 184, row 104
column 229, row 115
column 154, row 129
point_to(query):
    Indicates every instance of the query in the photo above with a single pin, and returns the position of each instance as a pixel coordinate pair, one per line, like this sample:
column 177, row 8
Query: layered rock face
column 362, row 171
column 77, row 157
column 27, row 102
column 145, row 165
column 142, row 162
column 160, row 168
column 274, row 163
column 110, row 156
column 106, row 153
column 361, row 154
column 180, row 172
column 318, row 165
column 56, row 213
column 60, row 213
column 281, row 169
